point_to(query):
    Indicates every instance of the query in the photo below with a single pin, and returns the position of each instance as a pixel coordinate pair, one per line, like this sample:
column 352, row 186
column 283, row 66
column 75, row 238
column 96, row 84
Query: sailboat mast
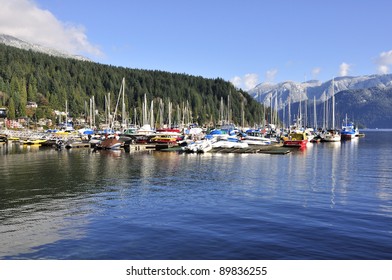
column 66, row 114
column 93, row 113
column 152, row 114
column 289, row 111
column 170, row 114
column 333, row 104
column 299, row 123
column 123, row 119
column 315, row 115
column 271, row 109
column 276, row 108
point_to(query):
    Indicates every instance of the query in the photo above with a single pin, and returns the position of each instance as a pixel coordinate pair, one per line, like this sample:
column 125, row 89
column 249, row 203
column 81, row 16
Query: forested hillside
column 370, row 108
column 27, row 76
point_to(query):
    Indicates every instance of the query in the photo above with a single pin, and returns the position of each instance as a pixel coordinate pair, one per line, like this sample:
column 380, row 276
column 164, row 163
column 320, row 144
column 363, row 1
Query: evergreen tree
column 11, row 109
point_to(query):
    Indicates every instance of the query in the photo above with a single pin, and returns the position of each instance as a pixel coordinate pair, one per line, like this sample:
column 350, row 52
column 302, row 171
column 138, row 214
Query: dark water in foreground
column 330, row 201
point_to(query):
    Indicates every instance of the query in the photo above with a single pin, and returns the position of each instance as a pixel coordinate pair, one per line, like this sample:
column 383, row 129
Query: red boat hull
column 295, row 143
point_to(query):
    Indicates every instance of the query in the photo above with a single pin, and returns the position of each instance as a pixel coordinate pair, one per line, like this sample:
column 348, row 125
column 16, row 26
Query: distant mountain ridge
column 365, row 99
column 370, row 107
column 310, row 89
column 20, row 44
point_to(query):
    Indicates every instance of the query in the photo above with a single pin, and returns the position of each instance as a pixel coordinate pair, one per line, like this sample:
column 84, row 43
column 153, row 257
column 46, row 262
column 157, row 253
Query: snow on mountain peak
column 308, row 90
column 15, row 42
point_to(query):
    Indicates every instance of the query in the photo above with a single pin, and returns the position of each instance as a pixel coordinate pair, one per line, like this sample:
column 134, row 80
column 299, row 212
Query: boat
column 168, row 130
column 316, row 139
column 34, row 141
column 110, row 143
column 143, row 135
column 164, row 139
column 229, row 144
column 145, row 130
column 349, row 130
column 200, row 146
column 3, row 138
column 254, row 137
column 296, row 139
column 331, row 135
column 73, row 143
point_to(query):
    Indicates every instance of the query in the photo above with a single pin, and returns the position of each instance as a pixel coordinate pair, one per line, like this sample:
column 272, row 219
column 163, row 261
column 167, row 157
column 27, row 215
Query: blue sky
column 246, row 41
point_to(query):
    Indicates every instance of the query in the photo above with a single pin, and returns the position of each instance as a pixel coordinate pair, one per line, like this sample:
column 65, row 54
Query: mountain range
column 363, row 98
column 20, row 44
column 314, row 88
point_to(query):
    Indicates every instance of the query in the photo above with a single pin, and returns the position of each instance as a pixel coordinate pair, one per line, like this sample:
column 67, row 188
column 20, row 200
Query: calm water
column 331, row 201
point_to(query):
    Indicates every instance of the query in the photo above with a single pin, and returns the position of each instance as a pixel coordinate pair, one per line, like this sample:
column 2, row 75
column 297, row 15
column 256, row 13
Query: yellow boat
column 164, row 139
column 34, row 141
column 296, row 139
column 13, row 138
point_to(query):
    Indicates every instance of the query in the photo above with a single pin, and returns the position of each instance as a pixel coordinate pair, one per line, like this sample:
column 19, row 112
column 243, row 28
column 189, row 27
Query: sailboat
column 113, row 141
column 332, row 134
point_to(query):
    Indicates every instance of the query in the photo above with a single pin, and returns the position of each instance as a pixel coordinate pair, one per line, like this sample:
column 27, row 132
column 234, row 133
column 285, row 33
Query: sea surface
column 329, row 201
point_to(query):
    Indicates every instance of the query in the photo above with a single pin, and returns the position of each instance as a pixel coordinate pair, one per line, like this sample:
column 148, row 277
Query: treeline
column 27, row 76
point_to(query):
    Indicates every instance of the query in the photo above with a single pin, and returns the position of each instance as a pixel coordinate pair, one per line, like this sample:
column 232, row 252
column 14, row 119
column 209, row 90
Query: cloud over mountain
column 384, row 61
column 247, row 82
column 25, row 20
column 344, row 69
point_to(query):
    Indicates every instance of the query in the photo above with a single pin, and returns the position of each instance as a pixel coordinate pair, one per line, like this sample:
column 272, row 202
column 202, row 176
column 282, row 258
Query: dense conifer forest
column 50, row 82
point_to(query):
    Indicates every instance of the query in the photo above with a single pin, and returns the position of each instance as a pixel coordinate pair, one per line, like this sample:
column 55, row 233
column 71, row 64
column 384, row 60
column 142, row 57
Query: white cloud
column 236, row 81
column 25, row 20
column 383, row 62
column 344, row 69
column 270, row 75
column 247, row 82
column 315, row 72
column 383, row 69
column 250, row 81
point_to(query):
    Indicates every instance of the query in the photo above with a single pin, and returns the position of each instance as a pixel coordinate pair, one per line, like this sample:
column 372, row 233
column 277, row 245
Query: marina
column 274, row 148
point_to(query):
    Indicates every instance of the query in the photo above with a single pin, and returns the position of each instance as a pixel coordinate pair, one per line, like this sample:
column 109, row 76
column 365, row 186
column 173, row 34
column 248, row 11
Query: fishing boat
column 349, row 130
column 295, row 139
